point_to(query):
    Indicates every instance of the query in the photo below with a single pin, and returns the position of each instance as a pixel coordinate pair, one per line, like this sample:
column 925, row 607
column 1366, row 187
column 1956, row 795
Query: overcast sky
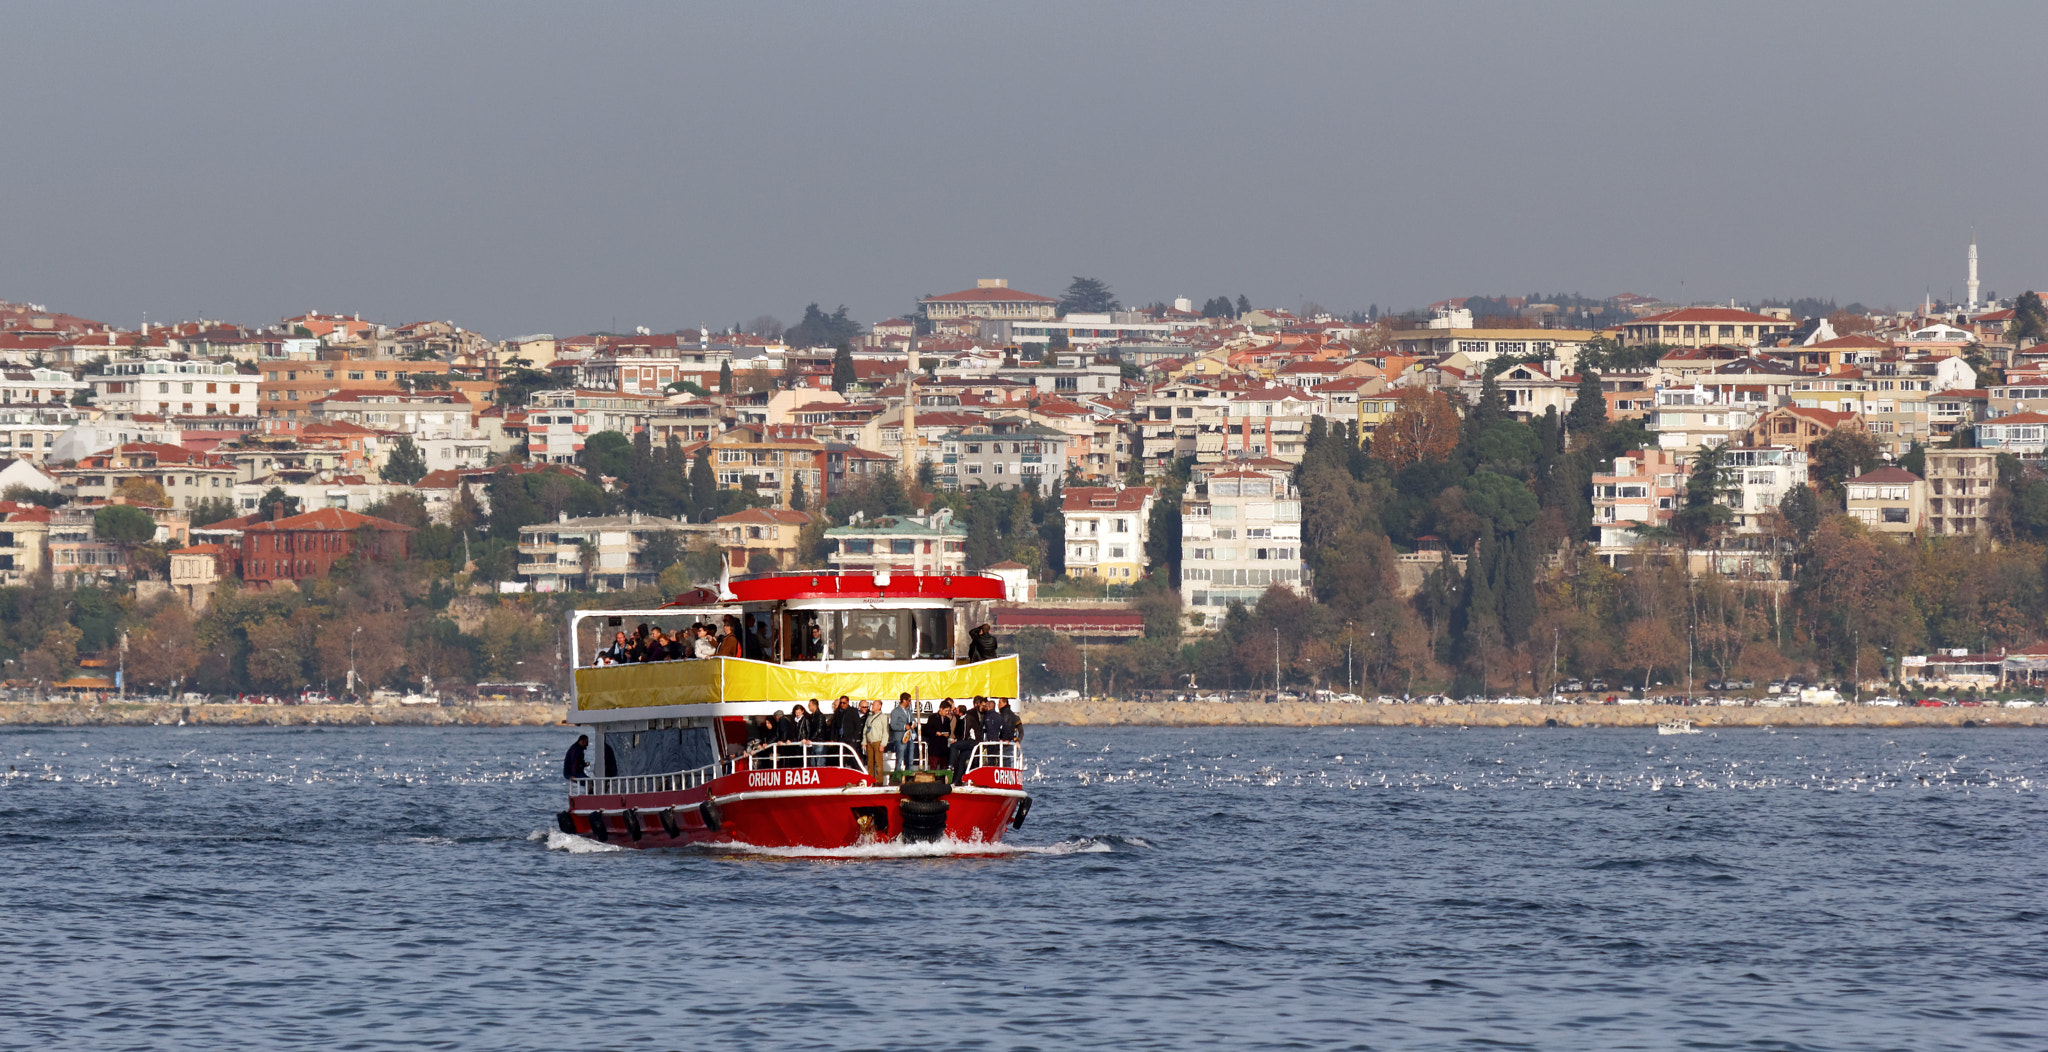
column 564, row 168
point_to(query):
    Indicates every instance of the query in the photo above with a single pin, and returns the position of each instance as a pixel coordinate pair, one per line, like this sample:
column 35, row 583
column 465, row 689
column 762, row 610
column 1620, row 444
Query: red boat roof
column 781, row 587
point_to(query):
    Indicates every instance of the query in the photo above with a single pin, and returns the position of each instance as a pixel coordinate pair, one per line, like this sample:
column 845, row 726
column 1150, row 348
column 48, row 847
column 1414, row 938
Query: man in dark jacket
column 981, row 643
column 847, row 723
column 1008, row 727
column 937, row 731
column 574, row 765
column 974, row 729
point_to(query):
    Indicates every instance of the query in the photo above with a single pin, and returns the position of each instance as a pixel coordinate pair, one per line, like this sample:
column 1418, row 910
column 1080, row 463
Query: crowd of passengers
column 651, row 643
column 873, row 730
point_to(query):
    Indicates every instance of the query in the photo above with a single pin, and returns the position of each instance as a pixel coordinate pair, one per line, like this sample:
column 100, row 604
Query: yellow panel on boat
column 737, row 679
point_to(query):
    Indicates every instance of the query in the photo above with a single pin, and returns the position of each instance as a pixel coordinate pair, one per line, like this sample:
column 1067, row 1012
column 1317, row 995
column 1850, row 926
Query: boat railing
column 997, row 754
column 804, row 754
column 772, row 756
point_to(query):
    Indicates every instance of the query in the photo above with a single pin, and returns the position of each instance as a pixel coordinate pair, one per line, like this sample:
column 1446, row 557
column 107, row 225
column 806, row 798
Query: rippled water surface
column 200, row 888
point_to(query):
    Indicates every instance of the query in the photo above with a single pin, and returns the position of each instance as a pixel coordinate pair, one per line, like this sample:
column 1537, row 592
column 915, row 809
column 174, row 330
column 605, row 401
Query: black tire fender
column 925, row 791
column 713, row 816
column 565, row 822
column 668, row 824
column 632, row 817
column 1017, row 816
column 599, row 828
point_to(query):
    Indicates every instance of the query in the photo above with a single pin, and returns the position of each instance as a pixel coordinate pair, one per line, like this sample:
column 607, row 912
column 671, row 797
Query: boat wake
column 556, row 840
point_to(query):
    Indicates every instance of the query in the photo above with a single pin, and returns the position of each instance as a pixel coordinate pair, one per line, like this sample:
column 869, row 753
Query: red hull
column 798, row 808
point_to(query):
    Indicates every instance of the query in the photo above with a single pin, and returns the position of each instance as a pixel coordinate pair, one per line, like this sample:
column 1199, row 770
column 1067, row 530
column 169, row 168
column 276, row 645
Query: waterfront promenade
column 1073, row 713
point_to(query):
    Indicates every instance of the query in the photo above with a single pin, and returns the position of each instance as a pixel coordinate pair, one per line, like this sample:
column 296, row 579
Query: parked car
column 1572, row 686
column 1929, row 703
column 1061, row 695
column 1739, row 684
column 1884, row 702
column 2020, row 703
column 1597, row 686
column 1349, row 697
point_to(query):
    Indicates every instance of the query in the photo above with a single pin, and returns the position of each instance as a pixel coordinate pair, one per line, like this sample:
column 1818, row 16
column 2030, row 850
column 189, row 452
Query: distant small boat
column 1677, row 727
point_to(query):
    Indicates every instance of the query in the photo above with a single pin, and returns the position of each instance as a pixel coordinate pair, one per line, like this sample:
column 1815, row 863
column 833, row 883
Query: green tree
column 661, row 550
column 2029, row 317
column 121, row 524
column 208, row 510
column 1088, row 296
column 1840, row 455
column 1801, row 510
column 1589, row 407
column 703, row 487
column 725, row 375
column 843, row 375
column 406, row 464
column 819, row 329
column 1244, row 305
column 277, row 498
column 607, row 453
column 1700, row 520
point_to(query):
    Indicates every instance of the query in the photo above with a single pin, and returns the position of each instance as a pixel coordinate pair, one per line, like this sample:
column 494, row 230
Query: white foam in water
column 575, row 845
column 945, row 848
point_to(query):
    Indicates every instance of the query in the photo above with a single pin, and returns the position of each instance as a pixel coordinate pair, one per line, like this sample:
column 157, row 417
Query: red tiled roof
column 996, row 295
column 1883, row 475
column 1709, row 314
column 327, row 519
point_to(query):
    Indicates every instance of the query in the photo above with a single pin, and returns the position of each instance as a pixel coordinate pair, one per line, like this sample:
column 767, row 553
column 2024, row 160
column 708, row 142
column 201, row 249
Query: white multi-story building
column 1106, row 528
column 1758, row 480
column 1240, row 535
column 1696, row 416
column 551, row 554
column 170, row 387
column 557, row 422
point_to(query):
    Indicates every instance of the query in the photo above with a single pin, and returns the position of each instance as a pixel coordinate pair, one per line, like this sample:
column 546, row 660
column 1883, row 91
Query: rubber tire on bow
column 1017, row 816
column 632, row 817
column 600, row 828
column 668, row 824
column 923, row 820
column 925, row 791
column 565, row 822
column 714, row 818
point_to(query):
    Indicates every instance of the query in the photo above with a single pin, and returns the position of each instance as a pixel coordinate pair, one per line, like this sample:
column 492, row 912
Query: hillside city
column 1511, row 495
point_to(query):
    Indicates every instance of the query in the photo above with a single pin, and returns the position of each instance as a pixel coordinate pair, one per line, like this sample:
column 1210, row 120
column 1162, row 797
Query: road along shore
column 1070, row 714
column 1705, row 717
column 137, row 714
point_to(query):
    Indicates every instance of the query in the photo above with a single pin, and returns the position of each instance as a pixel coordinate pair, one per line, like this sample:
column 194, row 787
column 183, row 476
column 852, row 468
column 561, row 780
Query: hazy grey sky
column 554, row 167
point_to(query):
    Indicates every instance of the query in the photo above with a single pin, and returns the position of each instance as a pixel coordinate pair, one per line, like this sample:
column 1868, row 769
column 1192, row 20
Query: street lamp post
column 352, row 659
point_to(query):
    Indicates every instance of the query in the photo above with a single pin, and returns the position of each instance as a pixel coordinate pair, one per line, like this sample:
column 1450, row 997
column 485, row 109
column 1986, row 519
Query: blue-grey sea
column 1368, row 888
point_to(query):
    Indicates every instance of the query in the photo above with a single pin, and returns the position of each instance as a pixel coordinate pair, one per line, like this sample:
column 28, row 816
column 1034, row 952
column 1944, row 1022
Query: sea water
column 397, row 888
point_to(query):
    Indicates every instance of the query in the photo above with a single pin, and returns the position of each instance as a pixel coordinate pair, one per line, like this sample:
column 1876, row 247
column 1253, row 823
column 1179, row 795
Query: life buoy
column 599, row 828
column 714, row 818
column 1017, row 817
column 668, row 824
column 632, row 817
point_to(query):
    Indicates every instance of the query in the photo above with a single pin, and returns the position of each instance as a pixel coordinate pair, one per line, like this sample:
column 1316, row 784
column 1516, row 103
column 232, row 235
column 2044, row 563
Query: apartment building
column 1240, row 534
column 1695, row 417
column 1642, row 491
column 24, row 541
column 552, row 554
column 1106, row 531
column 1704, row 327
column 772, row 533
column 166, row 387
column 924, row 544
column 185, row 476
column 1888, row 500
column 1959, row 484
column 558, row 421
column 1758, row 480
column 1004, row 453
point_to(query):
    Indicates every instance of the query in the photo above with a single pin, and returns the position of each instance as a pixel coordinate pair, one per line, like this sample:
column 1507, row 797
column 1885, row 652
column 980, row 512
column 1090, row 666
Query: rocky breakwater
column 1304, row 714
column 138, row 714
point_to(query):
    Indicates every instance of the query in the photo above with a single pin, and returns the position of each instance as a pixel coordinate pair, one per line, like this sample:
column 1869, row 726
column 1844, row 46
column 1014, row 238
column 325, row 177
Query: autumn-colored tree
column 1651, row 644
column 1423, row 427
column 166, row 647
column 141, row 491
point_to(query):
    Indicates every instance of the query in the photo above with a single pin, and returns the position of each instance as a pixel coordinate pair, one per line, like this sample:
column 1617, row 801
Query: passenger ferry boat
column 677, row 730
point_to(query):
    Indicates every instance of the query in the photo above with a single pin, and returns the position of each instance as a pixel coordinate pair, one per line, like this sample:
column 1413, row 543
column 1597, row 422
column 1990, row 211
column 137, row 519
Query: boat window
column 934, row 629
column 807, row 636
column 871, row 634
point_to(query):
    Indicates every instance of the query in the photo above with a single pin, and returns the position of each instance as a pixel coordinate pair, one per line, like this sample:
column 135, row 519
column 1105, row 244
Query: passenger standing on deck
column 875, row 737
column 729, row 637
column 574, row 766
column 701, row 643
column 847, row 723
column 903, row 731
column 981, row 643
column 975, row 728
column 938, row 736
column 1009, row 727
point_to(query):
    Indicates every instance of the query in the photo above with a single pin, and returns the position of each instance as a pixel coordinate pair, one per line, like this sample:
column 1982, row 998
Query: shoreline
column 1055, row 714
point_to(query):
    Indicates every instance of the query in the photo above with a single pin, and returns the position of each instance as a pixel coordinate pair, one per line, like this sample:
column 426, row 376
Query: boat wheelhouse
column 677, row 755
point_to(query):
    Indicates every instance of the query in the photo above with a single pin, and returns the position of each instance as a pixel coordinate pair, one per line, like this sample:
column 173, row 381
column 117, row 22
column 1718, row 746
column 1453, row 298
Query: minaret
column 911, row 446
column 1971, row 285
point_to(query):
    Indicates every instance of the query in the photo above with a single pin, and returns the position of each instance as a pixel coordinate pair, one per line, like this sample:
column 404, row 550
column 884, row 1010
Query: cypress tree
column 703, row 488
column 1589, row 407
